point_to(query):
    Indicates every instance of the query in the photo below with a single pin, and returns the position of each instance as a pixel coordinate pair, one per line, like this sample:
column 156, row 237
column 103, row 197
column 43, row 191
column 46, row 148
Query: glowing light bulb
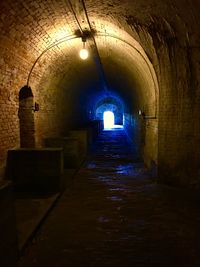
column 84, row 54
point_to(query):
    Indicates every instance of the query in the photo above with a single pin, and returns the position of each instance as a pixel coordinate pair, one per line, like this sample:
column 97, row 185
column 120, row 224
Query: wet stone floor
column 115, row 214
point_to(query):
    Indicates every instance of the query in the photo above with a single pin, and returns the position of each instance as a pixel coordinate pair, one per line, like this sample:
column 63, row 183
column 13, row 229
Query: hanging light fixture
column 83, row 52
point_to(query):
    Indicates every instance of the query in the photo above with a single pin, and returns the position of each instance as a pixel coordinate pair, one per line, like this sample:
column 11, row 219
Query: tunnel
column 150, row 62
column 142, row 64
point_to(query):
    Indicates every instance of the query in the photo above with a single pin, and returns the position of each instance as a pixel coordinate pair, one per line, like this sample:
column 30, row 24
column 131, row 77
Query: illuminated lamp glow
column 83, row 53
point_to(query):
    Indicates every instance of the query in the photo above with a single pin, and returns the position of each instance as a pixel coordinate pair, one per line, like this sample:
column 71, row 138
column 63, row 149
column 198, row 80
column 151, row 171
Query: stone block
column 36, row 170
column 8, row 232
column 92, row 131
column 82, row 136
column 70, row 146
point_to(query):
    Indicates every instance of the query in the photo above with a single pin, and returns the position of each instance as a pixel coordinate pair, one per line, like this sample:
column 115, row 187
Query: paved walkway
column 116, row 215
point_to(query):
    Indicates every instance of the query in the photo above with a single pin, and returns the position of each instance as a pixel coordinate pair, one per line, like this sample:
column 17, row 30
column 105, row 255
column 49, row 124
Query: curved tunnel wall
column 129, row 75
column 169, row 36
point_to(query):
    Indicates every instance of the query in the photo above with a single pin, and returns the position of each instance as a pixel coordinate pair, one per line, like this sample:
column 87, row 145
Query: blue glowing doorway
column 108, row 119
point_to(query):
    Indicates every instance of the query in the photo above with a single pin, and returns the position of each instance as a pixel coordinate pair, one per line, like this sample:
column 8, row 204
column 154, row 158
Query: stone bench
column 70, row 146
column 36, row 170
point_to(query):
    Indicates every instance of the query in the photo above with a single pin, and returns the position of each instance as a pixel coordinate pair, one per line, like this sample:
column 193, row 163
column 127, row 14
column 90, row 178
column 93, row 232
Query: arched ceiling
column 126, row 70
column 31, row 26
column 42, row 22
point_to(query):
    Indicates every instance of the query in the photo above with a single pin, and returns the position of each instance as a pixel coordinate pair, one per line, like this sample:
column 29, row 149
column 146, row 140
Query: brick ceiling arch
column 31, row 26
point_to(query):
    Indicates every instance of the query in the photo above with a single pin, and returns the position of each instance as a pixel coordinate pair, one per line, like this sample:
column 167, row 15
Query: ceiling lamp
column 83, row 52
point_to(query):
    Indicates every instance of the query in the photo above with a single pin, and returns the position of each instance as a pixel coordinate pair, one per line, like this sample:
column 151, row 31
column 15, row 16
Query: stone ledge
column 36, row 170
column 8, row 231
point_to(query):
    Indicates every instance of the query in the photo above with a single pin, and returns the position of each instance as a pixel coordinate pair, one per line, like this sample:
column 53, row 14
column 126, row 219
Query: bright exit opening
column 108, row 119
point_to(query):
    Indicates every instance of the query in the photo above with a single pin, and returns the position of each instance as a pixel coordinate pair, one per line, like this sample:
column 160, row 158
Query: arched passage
column 145, row 52
column 127, row 72
column 110, row 103
column 138, row 44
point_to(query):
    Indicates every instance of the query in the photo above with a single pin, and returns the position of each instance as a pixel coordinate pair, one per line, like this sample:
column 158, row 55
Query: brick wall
column 176, row 62
column 179, row 116
column 27, row 28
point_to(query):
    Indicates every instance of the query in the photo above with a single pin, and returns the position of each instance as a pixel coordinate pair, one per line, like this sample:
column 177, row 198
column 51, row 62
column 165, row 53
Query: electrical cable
column 96, row 48
column 74, row 13
column 64, row 39
column 146, row 61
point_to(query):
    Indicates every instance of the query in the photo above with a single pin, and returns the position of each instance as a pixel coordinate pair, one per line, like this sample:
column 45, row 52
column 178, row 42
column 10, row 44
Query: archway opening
column 108, row 119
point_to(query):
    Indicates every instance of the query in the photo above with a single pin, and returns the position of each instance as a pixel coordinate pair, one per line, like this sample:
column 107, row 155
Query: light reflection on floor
column 115, row 214
column 114, row 127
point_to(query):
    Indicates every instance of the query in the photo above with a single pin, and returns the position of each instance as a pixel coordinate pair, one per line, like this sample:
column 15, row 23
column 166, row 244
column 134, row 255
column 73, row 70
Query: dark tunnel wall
column 164, row 34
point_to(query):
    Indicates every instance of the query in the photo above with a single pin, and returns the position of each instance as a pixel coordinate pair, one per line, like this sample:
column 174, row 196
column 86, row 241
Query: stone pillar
column 26, row 118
